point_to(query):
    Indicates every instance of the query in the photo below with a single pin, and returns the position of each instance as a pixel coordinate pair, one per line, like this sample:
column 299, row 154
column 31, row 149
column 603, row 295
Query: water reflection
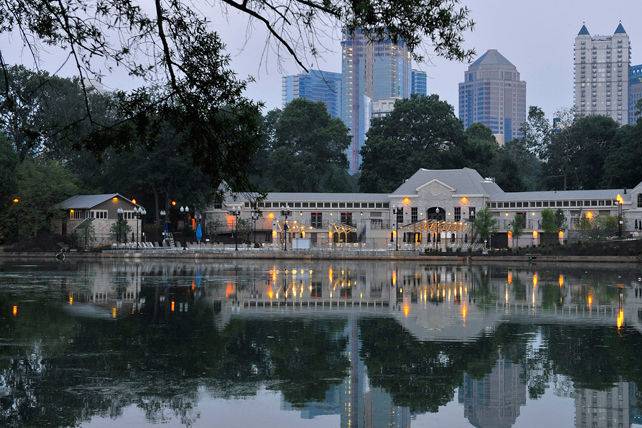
column 342, row 344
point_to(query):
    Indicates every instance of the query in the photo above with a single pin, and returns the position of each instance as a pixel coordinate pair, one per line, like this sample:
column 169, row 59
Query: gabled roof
column 88, row 201
column 492, row 57
column 584, row 31
column 464, row 181
column 620, row 29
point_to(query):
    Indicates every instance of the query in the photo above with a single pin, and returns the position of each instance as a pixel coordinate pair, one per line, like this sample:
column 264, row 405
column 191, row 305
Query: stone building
column 431, row 209
column 101, row 211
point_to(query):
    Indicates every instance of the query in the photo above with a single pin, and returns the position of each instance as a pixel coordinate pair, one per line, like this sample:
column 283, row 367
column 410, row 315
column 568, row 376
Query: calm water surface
column 296, row 344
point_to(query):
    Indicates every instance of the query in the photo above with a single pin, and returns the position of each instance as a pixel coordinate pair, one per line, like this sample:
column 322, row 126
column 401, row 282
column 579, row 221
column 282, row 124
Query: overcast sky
column 536, row 36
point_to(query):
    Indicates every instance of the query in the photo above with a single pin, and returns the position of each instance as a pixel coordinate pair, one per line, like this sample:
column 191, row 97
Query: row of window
column 547, row 204
column 98, row 214
column 321, row 204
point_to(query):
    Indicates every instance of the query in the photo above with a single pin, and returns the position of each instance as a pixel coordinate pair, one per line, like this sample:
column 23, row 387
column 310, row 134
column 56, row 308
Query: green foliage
column 516, row 168
column 194, row 88
column 84, row 236
column 420, row 132
column 157, row 170
column 484, row 225
column 600, row 227
column 537, row 132
column 517, row 225
column 576, row 158
column 304, row 150
column 549, row 224
column 39, row 185
column 622, row 166
column 120, row 230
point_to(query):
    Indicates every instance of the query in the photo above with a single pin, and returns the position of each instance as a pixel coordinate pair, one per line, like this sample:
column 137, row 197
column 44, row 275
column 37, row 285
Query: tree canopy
column 304, row 150
column 173, row 48
column 420, row 132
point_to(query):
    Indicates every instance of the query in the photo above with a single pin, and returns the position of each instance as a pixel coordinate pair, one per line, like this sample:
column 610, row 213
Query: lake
column 319, row 344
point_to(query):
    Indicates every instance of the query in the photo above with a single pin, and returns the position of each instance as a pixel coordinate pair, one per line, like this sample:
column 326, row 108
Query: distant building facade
column 419, row 83
column 315, row 85
column 382, row 108
column 603, row 408
column 635, row 91
column 602, row 74
column 371, row 71
column 493, row 94
column 431, row 209
column 496, row 399
column 100, row 212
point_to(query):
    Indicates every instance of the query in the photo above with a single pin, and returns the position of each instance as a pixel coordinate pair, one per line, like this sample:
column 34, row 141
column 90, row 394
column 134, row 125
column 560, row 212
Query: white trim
column 458, row 195
column 403, row 196
column 452, row 189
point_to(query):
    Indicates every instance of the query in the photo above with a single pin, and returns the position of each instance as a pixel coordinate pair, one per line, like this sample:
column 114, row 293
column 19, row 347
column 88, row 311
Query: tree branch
column 268, row 25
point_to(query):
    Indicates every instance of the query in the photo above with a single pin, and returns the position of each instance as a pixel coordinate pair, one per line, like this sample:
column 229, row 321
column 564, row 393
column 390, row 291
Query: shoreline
column 111, row 255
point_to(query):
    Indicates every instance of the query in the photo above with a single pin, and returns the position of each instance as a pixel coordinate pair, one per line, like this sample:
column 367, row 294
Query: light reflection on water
column 319, row 344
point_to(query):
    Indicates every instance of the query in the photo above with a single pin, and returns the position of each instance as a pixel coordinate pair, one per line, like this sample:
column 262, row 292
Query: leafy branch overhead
column 173, row 49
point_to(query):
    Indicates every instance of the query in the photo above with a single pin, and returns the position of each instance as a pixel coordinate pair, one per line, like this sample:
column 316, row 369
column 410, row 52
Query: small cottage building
column 101, row 212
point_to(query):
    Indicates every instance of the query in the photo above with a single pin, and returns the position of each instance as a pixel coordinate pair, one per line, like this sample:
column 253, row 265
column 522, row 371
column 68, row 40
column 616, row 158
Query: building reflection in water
column 494, row 400
column 613, row 407
column 432, row 303
column 353, row 400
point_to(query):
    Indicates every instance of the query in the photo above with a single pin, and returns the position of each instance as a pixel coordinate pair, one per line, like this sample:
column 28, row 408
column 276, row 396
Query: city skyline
column 538, row 42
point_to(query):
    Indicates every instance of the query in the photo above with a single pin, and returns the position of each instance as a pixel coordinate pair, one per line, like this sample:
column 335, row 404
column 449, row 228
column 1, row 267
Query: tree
column 549, row 224
column 481, row 149
column 515, row 168
column 622, row 167
column 194, row 87
column 156, row 171
column 420, row 132
column 537, row 132
column 120, row 230
column 517, row 226
column 484, row 225
column 601, row 227
column 85, row 235
column 576, row 157
column 304, row 150
column 40, row 186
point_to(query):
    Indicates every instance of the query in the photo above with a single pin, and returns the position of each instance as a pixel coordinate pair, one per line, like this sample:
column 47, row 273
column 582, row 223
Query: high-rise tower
column 493, row 95
column 602, row 74
column 371, row 71
column 419, row 84
column 315, row 85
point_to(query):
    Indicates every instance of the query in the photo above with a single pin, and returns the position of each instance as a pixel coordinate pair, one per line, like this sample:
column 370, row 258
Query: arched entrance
column 436, row 213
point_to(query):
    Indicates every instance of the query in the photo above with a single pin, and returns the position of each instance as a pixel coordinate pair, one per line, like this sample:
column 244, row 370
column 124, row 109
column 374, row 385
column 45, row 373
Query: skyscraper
column 635, row 91
column 493, row 95
column 315, row 85
column 371, row 71
column 494, row 400
column 602, row 74
column 419, row 84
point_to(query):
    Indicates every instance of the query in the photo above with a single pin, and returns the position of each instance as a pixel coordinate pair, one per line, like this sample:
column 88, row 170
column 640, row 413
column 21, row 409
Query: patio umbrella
column 199, row 232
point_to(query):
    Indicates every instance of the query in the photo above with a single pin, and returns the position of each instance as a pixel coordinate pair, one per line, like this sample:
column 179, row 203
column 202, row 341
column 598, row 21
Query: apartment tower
column 602, row 74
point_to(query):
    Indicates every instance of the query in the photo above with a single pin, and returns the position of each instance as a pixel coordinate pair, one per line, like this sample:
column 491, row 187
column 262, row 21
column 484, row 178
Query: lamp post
column 140, row 212
column 285, row 213
column 236, row 212
column 620, row 221
column 185, row 210
column 395, row 210
column 15, row 201
column 163, row 214
column 256, row 214
column 119, row 226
